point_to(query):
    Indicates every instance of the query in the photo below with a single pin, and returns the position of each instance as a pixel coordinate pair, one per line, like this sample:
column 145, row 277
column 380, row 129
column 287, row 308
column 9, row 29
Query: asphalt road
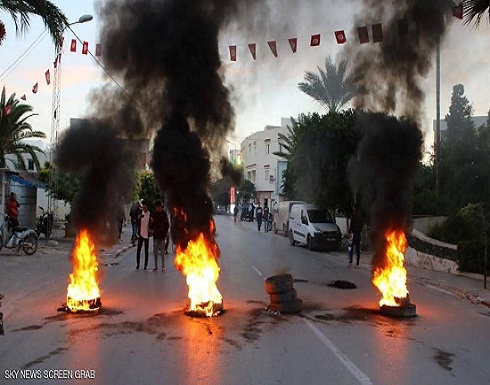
column 141, row 335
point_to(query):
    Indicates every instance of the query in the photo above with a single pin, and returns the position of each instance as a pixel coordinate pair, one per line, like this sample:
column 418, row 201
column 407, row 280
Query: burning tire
column 288, row 296
column 294, row 306
column 279, row 284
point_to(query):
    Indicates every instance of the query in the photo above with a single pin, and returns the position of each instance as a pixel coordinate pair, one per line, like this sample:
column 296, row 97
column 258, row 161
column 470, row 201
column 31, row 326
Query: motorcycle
column 17, row 237
column 45, row 223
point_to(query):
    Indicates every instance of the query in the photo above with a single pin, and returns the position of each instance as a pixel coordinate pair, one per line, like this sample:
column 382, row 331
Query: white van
column 281, row 216
column 313, row 227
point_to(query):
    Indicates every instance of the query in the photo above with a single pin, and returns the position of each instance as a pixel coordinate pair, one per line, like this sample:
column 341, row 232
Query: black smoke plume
column 92, row 151
column 386, row 163
column 390, row 72
column 389, row 75
column 164, row 56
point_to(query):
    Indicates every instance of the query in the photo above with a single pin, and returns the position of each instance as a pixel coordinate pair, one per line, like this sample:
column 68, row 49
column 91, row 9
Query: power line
column 21, row 58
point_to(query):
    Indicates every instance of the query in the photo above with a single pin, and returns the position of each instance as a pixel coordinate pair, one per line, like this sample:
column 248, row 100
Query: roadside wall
column 427, row 261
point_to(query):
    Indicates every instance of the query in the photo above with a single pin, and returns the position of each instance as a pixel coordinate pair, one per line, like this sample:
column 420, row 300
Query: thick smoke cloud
column 91, row 150
column 390, row 75
column 164, row 56
column 387, row 161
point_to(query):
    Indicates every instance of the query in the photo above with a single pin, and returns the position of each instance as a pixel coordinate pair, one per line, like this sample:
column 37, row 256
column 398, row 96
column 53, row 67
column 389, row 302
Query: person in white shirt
column 143, row 234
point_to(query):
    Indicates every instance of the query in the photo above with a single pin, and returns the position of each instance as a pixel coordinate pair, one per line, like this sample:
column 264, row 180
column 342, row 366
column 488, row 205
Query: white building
column 261, row 166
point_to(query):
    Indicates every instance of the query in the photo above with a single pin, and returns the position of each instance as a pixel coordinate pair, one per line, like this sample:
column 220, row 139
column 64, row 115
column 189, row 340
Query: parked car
column 313, row 227
column 281, row 216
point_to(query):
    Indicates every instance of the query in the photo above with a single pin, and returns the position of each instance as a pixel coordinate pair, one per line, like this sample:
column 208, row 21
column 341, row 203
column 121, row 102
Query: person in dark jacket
column 355, row 228
column 160, row 225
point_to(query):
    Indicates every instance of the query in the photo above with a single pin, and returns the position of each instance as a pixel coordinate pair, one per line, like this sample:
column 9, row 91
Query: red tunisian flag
column 272, row 46
column 253, row 50
column 73, row 45
column 48, row 77
column 458, row 11
column 23, row 97
column 7, row 110
column 34, row 88
column 293, row 43
column 233, row 52
column 85, row 47
column 315, row 40
column 340, row 36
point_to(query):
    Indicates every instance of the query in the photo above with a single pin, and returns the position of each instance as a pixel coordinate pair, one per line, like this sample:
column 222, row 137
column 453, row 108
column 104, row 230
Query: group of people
column 262, row 215
column 146, row 224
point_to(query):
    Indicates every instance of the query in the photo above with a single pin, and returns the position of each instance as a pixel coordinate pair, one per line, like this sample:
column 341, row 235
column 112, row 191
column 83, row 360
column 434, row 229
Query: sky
column 263, row 90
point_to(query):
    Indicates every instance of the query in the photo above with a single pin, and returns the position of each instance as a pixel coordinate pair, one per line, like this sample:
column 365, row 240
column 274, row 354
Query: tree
column 333, row 88
column 220, row 191
column 65, row 186
column 289, row 143
column 320, row 147
column 21, row 11
column 474, row 10
column 146, row 188
column 14, row 129
column 459, row 123
column 246, row 191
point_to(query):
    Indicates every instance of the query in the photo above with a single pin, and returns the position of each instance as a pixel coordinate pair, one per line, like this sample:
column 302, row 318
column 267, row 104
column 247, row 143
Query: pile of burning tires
column 283, row 295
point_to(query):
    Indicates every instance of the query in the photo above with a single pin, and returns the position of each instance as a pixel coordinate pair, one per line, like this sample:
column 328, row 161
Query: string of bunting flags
column 363, row 36
column 73, row 48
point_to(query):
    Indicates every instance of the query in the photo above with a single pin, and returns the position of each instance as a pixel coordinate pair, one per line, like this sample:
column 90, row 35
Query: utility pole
column 437, row 158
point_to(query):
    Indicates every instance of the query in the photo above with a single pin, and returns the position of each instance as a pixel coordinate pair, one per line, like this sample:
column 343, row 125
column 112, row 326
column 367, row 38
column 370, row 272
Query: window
column 267, row 175
column 249, row 148
column 254, row 175
column 267, row 146
column 30, row 164
column 255, row 148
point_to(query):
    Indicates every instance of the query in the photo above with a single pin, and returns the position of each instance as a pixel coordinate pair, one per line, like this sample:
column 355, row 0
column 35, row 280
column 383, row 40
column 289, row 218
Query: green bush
column 454, row 230
column 471, row 256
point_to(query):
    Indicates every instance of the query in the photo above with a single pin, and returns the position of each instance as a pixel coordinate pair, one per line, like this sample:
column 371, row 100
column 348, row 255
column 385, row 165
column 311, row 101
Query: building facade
column 261, row 166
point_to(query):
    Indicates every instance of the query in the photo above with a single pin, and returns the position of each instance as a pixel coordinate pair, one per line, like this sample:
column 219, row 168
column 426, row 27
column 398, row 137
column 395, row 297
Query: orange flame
column 391, row 280
column 199, row 265
column 83, row 289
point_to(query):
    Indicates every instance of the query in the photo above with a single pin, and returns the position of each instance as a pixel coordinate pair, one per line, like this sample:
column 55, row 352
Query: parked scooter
column 18, row 237
column 44, row 223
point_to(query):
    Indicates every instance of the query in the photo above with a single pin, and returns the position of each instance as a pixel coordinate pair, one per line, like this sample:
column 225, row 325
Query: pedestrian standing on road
column 143, row 234
column 159, row 224
column 258, row 216
column 355, row 229
column 134, row 212
column 13, row 210
column 235, row 213
column 266, row 218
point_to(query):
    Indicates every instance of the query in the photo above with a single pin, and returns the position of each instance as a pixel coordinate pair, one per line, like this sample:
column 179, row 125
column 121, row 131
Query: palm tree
column 13, row 129
column 332, row 89
column 21, row 11
column 475, row 10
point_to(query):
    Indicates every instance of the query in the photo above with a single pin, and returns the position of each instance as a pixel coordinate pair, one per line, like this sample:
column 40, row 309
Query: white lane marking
column 257, row 270
column 351, row 367
column 441, row 290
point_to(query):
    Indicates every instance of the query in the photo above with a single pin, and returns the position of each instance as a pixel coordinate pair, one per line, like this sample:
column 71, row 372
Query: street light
column 55, row 122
